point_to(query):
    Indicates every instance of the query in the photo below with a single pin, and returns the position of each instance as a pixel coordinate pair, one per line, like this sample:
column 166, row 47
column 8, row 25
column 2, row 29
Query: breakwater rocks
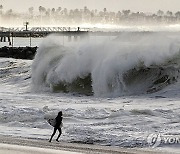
column 18, row 52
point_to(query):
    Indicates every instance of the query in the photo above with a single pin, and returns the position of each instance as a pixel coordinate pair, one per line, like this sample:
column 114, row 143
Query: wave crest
column 108, row 68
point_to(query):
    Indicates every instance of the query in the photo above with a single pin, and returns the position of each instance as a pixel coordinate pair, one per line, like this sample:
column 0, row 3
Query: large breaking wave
column 133, row 63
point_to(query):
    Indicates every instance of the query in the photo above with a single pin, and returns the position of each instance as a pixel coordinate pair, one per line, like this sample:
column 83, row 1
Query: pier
column 7, row 34
column 72, row 33
column 28, row 52
column 44, row 31
column 41, row 31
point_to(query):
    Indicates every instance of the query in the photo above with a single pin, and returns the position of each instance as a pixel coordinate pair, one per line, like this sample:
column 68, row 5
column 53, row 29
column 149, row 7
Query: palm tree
column 118, row 15
column 1, row 8
column 169, row 13
column 85, row 9
column 177, row 14
column 65, row 11
column 126, row 12
column 42, row 10
column 53, row 11
column 31, row 11
column 59, row 9
column 9, row 12
column 160, row 13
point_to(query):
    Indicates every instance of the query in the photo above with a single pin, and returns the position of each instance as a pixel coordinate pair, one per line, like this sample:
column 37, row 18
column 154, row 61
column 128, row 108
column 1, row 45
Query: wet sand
column 17, row 149
column 9, row 144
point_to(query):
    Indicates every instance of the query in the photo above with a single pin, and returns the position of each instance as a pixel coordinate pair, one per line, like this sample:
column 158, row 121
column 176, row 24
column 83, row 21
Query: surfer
column 57, row 126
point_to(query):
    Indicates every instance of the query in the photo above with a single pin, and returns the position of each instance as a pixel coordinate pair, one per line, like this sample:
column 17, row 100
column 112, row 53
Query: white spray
column 105, row 61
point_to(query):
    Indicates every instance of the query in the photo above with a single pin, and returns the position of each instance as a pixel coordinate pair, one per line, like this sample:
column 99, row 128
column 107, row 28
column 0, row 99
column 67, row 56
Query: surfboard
column 52, row 122
column 50, row 118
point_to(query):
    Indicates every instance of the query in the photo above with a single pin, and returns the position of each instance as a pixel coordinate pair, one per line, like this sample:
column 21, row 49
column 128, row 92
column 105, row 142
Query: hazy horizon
column 113, row 5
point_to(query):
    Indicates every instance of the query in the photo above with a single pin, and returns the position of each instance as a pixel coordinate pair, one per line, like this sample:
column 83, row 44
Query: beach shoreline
column 36, row 144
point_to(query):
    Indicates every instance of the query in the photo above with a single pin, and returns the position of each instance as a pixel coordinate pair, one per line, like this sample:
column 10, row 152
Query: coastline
column 37, row 145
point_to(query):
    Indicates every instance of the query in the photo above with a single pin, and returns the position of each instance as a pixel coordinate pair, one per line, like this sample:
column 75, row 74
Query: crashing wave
column 111, row 68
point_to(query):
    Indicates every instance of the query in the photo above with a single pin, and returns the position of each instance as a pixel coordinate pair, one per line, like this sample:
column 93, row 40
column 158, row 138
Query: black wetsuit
column 58, row 121
column 57, row 126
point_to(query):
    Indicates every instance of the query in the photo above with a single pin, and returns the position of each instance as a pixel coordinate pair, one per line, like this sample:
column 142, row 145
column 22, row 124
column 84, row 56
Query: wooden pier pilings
column 5, row 37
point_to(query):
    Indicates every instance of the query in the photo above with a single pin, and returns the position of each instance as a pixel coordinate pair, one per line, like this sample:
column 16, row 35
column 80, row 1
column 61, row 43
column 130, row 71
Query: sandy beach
column 20, row 145
column 17, row 149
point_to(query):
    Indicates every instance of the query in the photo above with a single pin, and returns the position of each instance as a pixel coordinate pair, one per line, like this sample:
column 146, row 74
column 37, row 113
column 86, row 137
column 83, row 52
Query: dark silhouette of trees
column 63, row 16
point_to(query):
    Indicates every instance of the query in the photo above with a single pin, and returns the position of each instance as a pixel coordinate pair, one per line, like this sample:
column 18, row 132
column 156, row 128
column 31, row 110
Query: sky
column 111, row 5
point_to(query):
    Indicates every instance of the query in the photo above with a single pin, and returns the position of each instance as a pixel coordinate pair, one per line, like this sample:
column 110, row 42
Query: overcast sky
column 113, row 5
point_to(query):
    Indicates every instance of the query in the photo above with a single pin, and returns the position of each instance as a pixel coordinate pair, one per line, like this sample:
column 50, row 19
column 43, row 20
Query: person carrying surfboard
column 57, row 126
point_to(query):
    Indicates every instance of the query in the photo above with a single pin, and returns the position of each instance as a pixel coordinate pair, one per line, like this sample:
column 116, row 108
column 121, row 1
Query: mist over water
column 132, row 63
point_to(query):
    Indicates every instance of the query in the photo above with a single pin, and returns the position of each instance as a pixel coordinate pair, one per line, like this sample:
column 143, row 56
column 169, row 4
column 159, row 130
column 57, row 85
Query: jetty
column 18, row 52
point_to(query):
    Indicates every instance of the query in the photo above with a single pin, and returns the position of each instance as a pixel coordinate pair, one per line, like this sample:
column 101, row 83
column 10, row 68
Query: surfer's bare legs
column 54, row 132
column 60, row 132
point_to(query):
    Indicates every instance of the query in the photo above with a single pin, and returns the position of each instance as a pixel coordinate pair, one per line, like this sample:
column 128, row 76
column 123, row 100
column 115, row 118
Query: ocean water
column 119, row 91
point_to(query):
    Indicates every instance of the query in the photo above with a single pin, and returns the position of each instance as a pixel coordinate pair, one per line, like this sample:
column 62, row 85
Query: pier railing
column 47, row 29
